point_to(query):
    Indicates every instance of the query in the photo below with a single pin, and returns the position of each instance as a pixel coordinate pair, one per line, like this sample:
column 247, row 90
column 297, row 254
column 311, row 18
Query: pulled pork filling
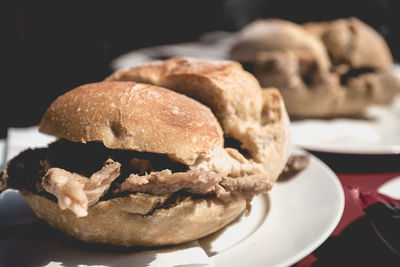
column 165, row 181
column 77, row 192
column 70, row 174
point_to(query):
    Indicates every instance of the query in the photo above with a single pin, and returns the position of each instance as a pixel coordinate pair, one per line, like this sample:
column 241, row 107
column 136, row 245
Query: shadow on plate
column 239, row 230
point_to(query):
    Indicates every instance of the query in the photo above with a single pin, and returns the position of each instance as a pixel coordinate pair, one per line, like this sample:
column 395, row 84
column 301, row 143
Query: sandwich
column 137, row 164
column 323, row 69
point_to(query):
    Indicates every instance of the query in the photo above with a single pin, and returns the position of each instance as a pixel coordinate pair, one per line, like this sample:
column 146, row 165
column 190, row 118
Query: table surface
column 354, row 242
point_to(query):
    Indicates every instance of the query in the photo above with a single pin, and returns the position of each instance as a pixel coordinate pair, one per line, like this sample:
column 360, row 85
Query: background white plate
column 378, row 134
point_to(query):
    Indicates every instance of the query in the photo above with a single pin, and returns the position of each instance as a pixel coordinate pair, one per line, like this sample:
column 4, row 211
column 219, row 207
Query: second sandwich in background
column 323, row 69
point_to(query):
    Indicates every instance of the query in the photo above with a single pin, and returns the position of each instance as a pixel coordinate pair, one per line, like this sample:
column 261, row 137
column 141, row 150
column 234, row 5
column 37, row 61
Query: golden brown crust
column 276, row 34
column 129, row 115
column 235, row 97
column 308, row 90
column 353, row 42
column 380, row 87
column 311, row 92
column 219, row 84
column 111, row 222
column 357, row 75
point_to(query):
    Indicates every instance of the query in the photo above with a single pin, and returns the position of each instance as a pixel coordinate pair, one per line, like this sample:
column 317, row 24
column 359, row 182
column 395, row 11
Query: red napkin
column 354, row 185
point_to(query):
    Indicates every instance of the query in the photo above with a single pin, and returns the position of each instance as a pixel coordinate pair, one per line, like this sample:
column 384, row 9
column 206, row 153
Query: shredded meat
column 245, row 187
column 50, row 172
column 222, row 173
column 165, row 182
column 198, row 182
column 297, row 163
column 227, row 162
column 76, row 192
column 294, row 165
column 100, row 181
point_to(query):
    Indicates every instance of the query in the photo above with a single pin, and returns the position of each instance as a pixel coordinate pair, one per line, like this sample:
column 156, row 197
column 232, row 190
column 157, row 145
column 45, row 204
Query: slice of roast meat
column 294, row 165
column 68, row 188
column 247, row 186
column 244, row 187
column 165, row 181
column 198, row 182
column 77, row 192
column 100, row 181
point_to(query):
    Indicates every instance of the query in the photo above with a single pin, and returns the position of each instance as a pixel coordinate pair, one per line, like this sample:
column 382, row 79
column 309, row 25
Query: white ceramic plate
column 287, row 224
column 379, row 134
column 284, row 226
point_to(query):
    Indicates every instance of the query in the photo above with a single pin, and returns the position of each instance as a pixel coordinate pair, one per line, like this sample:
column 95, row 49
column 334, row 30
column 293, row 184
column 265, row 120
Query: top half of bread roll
column 133, row 116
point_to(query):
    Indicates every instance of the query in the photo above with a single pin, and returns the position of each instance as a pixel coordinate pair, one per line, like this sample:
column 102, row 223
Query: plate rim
column 382, row 150
column 309, row 248
column 368, row 149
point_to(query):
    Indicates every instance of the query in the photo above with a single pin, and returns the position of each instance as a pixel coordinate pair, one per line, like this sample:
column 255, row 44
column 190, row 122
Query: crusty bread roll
column 134, row 116
column 265, row 35
column 356, row 74
column 141, row 165
column 308, row 89
column 352, row 42
column 119, row 221
column 257, row 119
column 142, row 118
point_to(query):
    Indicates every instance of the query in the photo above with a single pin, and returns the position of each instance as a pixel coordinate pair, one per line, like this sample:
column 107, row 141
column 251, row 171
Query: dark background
column 49, row 47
